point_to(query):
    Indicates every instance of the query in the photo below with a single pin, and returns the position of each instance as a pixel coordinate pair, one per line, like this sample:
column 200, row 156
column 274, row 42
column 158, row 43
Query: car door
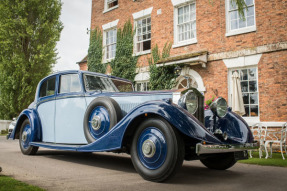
column 46, row 108
column 70, row 110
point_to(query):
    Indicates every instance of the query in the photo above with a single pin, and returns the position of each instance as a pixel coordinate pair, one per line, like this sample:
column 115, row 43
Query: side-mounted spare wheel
column 157, row 150
column 25, row 139
column 102, row 114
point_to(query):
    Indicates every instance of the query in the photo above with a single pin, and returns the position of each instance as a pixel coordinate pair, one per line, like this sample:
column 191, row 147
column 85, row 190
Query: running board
column 66, row 147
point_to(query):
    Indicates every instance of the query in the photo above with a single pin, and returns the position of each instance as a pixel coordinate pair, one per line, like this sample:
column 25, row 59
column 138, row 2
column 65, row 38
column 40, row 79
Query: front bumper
column 212, row 149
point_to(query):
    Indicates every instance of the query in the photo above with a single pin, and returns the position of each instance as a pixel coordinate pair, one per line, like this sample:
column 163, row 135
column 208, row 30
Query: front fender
column 175, row 115
column 31, row 114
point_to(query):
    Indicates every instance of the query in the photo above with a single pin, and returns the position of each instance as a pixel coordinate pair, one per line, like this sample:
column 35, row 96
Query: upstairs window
column 184, row 24
column 48, row 87
column 143, row 35
column 237, row 25
column 110, row 5
column 110, row 44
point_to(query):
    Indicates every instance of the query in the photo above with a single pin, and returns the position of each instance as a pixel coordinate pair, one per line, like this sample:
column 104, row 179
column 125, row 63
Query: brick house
column 211, row 41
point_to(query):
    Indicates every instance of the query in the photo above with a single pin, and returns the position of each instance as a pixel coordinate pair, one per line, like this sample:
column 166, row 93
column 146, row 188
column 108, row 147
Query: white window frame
column 107, row 27
column 230, row 32
column 244, row 62
column 178, row 4
column 143, row 14
column 146, row 82
column 106, row 9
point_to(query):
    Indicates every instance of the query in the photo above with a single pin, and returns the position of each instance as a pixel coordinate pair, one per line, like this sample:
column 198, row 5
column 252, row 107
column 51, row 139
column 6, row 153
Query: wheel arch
column 34, row 120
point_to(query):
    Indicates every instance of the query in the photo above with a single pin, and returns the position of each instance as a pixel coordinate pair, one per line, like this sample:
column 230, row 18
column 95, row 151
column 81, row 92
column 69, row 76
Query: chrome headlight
column 189, row 101
column 219, row 107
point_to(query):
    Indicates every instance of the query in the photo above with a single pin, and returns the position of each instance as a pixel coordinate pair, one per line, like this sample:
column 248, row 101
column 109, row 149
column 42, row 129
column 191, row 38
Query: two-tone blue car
column 91, row 112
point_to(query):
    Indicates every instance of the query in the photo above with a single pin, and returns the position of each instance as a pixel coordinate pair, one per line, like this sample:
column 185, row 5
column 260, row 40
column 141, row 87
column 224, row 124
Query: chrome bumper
column 210, row 149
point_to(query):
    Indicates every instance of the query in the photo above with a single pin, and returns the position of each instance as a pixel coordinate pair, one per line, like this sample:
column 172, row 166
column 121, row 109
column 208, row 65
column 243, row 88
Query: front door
column 70, row 110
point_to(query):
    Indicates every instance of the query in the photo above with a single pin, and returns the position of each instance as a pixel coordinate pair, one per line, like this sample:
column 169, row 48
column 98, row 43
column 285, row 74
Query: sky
column 74, row 41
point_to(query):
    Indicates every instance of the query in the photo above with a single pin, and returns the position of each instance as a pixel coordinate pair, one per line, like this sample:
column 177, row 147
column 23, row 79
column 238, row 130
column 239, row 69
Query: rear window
column 48, row 87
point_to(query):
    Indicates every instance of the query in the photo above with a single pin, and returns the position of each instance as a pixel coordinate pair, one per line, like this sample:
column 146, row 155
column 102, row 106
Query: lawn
column 276, row 160
column 8, row 183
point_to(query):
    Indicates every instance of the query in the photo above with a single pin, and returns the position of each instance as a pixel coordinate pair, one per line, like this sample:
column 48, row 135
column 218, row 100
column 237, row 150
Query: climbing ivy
column 161, row 77
column 95, row 52
column 124, row 64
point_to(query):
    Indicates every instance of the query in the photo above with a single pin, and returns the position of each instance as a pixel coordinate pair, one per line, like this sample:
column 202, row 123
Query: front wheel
column 25, row 139
column 221, row 161
column 157, row 150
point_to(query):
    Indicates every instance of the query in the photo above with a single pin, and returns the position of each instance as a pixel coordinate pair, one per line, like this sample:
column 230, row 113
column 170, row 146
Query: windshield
column 94, row 83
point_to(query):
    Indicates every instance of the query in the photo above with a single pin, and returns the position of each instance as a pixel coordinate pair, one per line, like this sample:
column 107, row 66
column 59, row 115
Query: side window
column 69, row 83
column 48, row 87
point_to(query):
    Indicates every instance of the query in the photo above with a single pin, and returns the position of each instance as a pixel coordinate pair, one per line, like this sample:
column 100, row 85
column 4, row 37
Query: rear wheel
column 221, row 161
column 157, row 150
column 25, row 139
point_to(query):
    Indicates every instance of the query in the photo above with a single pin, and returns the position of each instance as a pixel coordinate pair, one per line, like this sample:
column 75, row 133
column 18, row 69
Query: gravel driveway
column 61, row 170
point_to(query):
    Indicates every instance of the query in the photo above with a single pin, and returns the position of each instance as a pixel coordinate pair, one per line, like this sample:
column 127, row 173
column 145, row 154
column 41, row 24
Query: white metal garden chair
column 276, row 137
column 259, row 133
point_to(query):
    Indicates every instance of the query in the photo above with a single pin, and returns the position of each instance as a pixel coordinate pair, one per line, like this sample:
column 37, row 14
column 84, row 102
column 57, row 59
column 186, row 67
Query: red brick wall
column 83, row 66
column 272, row 74
column 271, row 21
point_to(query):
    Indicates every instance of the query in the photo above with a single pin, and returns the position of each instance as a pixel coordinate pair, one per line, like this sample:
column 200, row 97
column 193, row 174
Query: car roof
column 85, row 72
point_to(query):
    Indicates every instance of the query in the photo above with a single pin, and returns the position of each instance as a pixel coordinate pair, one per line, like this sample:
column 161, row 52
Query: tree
column 95, row 52
column 29, row 31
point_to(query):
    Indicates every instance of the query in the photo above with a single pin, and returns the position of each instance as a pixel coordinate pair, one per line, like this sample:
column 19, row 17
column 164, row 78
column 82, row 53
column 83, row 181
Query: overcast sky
column 74, row 42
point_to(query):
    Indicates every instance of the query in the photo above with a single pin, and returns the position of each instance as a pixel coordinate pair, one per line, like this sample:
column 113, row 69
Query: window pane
column 242, row 23
column 254, row 98
column 233, row 15
column 245, row 98
column 252, row 86
column 249, row 2
column 144, row 22
column 48, row 87
column 234, row 24
column 69, row 83
column 146, row 45
column 244, row 75
column 254, row 110
column 252, row 74
column 250, row 11
column 180, row 19
column 244, row 86
column 180, row 11
column 246, row 107
column 123, row 86
column 250, row 21
column 232, row 5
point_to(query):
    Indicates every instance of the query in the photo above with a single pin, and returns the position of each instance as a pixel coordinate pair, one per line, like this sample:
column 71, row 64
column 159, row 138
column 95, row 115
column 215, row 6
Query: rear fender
column 31, row 114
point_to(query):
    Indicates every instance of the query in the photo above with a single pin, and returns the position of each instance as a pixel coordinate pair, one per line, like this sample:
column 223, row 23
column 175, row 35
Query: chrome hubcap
column 96, row 122
column 24, row 136
column 148, row 148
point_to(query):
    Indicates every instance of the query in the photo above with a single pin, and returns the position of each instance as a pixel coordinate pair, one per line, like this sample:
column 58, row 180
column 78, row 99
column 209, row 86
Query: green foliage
column 240, row 4
column 95, row 52
column 8, row 183
column 29, row 31
column 161, row 77
column 124, row 64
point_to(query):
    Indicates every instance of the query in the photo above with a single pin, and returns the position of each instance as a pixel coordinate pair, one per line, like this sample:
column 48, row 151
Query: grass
column 8, row 183
column 276, row 160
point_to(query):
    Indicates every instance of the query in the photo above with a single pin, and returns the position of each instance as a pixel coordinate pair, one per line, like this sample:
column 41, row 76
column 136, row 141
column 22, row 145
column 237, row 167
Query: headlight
column 219, row 107
column 189, row 101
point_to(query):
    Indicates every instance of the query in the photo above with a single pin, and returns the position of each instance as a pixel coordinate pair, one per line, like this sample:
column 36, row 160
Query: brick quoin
column 271, row 23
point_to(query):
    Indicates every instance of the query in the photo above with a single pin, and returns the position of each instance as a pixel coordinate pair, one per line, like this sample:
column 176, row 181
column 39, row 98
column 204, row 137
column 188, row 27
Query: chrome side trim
column 210, row 149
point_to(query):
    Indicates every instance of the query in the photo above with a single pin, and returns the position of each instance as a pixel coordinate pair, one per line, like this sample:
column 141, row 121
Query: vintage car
column 91, row 112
